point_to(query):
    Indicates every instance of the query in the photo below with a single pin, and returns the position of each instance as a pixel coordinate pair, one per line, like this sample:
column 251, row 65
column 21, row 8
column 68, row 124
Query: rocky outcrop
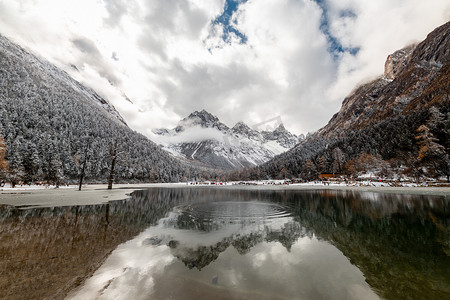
column 397, row 61
column 435, row 48
column 408, row 73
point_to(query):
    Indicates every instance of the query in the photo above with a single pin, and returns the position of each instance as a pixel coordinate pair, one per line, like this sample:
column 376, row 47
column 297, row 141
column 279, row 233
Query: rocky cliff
column 377, row 125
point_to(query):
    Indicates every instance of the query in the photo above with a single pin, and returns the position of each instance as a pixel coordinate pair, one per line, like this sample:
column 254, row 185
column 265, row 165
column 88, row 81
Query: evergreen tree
column 309, row 170
column 16, row 171
column 323, row 164
column 31, row 163
column 431, row 153
column 55, row 171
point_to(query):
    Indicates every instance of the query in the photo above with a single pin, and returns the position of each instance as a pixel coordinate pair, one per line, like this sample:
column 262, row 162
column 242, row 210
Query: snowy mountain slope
column 52, row 124
column 45, row 76
column 202, row 137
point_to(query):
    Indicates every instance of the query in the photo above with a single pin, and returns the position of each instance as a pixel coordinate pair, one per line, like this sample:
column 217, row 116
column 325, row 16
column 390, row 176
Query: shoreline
column 24, row 198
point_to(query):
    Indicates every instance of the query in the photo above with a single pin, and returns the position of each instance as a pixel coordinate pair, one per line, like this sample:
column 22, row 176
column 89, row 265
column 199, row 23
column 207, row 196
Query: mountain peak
column 203, row 113
column 231, row 148
column 380, row 119
column 280, row 128
column 243, row 129
column 409, row 72
column 282, row 135
column 240, row 125
column 434, row 49
column 203, row 119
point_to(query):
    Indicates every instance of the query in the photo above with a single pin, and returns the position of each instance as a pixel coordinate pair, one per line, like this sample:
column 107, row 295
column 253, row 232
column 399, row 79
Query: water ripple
column 232, row 211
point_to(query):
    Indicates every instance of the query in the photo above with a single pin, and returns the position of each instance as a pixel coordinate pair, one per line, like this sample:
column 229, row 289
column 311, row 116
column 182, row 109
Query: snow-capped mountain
column 51, row 123
column 203, row 119
column 202, row 137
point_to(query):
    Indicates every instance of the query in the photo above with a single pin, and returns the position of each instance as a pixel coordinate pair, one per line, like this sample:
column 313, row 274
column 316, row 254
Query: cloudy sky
column 242, row 60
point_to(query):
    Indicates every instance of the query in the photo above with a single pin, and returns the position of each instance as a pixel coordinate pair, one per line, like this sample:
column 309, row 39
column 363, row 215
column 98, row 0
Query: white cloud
column 190, row 135
column 170, row 59
column 379, row 29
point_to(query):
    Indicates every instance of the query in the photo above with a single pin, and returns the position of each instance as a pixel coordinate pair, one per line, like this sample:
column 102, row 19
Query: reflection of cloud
column 128, row 273
column 136, row 270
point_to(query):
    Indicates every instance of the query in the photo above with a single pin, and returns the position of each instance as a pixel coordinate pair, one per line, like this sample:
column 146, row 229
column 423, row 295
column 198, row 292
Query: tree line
column 54, row 129
column 416, row 145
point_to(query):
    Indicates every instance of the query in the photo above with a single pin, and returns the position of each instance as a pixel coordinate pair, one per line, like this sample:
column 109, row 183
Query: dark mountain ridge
column 377, row 127
column 408, row 72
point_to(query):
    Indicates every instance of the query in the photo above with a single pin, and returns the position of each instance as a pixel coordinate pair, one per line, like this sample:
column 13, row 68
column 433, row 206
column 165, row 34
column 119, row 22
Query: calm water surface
column 243, row 244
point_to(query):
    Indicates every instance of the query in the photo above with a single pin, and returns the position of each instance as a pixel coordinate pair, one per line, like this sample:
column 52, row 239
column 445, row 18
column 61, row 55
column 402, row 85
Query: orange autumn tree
column 3, row 161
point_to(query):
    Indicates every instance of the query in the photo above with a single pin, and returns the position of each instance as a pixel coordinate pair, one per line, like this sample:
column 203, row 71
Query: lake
column 213, row 243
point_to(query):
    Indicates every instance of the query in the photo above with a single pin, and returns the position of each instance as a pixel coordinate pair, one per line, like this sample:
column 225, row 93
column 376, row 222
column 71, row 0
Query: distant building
column 327, row 175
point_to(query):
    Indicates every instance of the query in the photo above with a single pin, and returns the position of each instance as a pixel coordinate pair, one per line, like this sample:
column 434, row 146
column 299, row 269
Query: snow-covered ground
column 367, row 182
column 361, row 183
column 26, row 187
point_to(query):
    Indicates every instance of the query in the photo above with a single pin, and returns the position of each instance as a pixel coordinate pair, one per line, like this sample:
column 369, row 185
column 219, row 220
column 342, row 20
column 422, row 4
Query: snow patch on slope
column 202, row 137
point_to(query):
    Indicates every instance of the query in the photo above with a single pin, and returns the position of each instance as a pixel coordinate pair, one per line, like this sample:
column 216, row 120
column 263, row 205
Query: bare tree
column 3, row 161
column 114, row 154
column 86, row 156
column 83, row 167
column 338, row 160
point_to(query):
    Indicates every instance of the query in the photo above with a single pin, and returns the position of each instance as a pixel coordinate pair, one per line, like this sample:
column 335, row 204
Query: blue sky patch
column 335, row 47
column 231, row 6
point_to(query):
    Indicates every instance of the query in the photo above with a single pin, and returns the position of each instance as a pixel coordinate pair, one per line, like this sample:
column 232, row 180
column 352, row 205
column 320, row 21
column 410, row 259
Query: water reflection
column 46, row 252
column 231, row 244
column 242, row 256
column 285, row 245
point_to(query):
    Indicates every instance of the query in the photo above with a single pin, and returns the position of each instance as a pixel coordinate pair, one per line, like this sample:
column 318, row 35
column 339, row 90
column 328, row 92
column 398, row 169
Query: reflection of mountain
column 201, row 256
column 45, row 252
column 400, row 242
column 243, row 224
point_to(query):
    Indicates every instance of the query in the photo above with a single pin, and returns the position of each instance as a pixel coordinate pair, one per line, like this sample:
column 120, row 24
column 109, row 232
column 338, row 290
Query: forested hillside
column 397, row 124
column 52, row 127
